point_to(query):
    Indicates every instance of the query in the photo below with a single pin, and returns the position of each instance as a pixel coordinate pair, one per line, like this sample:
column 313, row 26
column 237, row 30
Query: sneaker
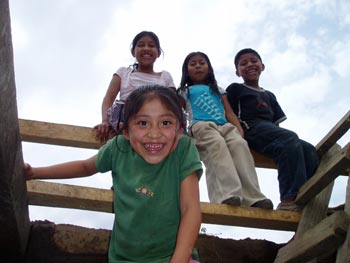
column 233, row 201
column 289, row 206
column 264, row 204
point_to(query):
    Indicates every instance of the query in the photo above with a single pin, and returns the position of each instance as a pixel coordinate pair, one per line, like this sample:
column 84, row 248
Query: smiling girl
column 155, row 173
column 145, row 48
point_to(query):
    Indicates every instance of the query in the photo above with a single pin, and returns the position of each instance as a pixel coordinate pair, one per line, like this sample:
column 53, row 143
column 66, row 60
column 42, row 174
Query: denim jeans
column 296, row 159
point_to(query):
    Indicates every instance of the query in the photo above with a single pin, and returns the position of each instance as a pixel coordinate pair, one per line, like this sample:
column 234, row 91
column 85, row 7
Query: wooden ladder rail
column 84, row 137
column 75, row 136
column 78, row 197
column 318, row 235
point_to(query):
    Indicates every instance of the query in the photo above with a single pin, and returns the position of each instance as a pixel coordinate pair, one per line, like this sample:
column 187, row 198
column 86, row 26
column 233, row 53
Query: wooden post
column 316, row 209
column 14, row 217
column 343, row 254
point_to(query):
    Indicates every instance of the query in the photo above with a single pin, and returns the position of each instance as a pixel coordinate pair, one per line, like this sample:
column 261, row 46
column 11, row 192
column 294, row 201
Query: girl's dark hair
column 141, row 35
column 145, row 93
column 186, row 81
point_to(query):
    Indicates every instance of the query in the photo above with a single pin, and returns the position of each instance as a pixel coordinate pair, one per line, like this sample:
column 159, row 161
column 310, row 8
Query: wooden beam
column 14, row 215
column 334, row 134
column 58, row 134
column 69, row 196
column 321, row 240
column 330, row 167
column 249, row 217
column 84, row 137
column 78, row 197
column 262, row 161
column 343, row 254
column 314, row 211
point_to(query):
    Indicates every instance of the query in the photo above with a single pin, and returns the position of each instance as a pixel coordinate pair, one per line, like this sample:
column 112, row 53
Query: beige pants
column 230, row 169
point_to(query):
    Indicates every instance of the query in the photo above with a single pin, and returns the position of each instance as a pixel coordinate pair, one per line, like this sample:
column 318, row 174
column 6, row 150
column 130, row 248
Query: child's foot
column 264, row 204
column 233, row 201
column 288, row 204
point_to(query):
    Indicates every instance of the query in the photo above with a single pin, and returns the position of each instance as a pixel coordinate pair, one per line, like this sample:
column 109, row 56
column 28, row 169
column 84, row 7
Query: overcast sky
column 66, row 51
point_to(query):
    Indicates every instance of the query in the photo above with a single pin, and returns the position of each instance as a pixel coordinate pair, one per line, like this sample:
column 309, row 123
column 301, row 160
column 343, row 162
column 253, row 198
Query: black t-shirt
column 253, row 105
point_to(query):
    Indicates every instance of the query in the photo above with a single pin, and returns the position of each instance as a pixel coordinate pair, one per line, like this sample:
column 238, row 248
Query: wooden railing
column 314, row 230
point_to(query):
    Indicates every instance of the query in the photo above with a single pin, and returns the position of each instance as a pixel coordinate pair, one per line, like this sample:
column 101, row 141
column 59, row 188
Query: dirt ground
column 51, row 243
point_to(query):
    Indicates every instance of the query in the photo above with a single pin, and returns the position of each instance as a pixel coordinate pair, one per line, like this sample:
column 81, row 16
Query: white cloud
column 341, row 54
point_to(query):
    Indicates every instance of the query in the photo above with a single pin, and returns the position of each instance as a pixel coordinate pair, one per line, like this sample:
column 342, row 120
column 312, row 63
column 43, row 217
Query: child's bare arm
column 73, row 169
column 230, row 115
column 190, row 219
column 103, row 128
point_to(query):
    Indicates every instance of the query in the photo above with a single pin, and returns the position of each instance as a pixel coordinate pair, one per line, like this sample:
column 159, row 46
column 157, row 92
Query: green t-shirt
column 146, row 199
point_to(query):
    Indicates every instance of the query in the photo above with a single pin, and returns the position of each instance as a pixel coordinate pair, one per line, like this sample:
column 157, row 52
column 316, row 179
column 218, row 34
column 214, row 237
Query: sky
column 66, row 51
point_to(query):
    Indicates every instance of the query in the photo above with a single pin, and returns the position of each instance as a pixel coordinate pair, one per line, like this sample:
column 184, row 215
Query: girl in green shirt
column 155, row 171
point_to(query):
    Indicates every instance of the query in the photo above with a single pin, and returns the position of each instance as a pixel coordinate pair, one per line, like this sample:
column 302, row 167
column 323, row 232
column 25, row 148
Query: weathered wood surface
column 341, row 127
column 249, row 217
column 316, row 192
column 343, row 255
column 332, row 164
column 316, row 208
column 315, row 211
column 84, row 137
column 14, row 217
column 45, row 193
column 58, row 134
column 318, row 241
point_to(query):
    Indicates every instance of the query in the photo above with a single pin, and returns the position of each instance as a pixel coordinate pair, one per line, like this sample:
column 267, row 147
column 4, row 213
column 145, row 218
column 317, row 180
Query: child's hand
column 241, row 131
column 28, row 171
column 102, row 131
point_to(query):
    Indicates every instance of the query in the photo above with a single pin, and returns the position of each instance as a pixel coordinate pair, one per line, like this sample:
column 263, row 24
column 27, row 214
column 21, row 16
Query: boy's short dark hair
column 246, row 51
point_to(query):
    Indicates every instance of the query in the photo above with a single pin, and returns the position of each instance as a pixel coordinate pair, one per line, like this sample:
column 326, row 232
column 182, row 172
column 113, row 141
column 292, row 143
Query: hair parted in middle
column 186, row 81
column 145, row 93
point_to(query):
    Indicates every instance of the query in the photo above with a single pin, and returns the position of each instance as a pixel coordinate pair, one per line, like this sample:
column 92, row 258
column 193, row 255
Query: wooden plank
column 84, row 137
column 78, row 197
column 318, row 241
column 69, row 196
column 249, row 217
column 332, row 164
column 315, row 210
column 334, row 134
column 262, row 161
column 58, row 134
column 343, row 254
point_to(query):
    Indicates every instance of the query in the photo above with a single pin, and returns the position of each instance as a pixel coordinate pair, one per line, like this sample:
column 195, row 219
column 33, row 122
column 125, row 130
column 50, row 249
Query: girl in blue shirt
column 230, row 170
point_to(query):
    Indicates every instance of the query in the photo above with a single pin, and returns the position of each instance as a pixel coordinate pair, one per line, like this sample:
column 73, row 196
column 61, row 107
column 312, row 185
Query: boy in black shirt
column 260, row 114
